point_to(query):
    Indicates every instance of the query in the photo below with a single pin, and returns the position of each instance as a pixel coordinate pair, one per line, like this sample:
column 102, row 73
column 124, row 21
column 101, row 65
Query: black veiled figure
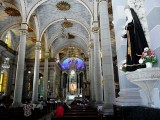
column 136, row 42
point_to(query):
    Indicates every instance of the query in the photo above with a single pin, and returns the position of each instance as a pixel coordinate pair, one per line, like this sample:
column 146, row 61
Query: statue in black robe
column 136, row 41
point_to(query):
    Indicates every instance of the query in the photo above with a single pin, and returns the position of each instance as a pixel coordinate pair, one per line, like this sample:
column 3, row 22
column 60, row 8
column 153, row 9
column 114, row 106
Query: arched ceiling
column 55, row 30
column 50, row 20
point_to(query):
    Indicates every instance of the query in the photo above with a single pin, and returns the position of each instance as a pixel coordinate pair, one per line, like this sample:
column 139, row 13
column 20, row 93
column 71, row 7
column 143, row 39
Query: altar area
column 74, row 82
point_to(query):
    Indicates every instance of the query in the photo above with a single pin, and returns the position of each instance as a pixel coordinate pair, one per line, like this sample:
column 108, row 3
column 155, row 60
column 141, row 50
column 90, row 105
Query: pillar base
column 108, row 109
column 129, row 97
column 16, row 104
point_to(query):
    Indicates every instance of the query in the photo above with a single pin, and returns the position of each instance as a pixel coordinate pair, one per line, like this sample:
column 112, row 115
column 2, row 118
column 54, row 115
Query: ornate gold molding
column 67, row 24
column 62, row 5
column 12, row 12
column 30, row 29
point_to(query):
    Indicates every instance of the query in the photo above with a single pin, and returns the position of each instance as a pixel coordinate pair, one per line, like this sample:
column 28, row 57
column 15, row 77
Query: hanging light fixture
column 5, row 64
column 63, row 33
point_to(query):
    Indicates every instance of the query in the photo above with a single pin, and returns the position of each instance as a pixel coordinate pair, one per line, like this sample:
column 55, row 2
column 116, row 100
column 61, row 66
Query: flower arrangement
column 147, row 56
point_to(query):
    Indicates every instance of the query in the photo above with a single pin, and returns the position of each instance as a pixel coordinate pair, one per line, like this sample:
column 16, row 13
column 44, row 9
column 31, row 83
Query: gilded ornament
column 67, row 24
column 12, row 12
column 62, row 5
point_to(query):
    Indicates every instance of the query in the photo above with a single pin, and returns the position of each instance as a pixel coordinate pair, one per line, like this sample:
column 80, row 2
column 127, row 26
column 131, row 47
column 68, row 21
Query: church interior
column 100, row 57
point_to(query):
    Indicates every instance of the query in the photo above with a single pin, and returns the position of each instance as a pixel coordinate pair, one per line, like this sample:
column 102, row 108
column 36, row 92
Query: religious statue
column 136, row 40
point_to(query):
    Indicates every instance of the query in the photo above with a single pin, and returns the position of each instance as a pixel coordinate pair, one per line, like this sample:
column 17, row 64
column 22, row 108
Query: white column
column 97, row 65
column 92, row 75
column 67, row 85
column 62, row 89
column 45, row 80
column 20, row 68
column 78, row 84
column 107, row 62
column 54, row 84
column 36, row 73
column 89, row 77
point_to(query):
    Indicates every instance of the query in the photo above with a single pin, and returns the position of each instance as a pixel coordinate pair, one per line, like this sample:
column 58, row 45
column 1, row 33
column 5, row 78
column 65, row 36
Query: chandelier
column 5, row 64
column 63, row 33
column 66, row 24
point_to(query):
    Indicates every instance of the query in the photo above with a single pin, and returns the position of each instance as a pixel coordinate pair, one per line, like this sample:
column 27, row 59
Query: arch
column 71, row 33
column 61, row 20
column 42, row 1
column 67, row 45
column 5, row 29
column 67, row 57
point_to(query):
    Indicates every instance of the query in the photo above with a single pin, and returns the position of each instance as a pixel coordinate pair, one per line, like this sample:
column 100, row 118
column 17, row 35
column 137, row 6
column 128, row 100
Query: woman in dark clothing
column 136, row 41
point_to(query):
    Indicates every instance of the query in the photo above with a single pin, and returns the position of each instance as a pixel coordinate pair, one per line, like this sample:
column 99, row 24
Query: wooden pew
column 80, row 114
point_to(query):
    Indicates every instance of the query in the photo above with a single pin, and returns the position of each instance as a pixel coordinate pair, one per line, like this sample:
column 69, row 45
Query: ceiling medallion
column 12, row 12
column 62, row 5
column 67, row 24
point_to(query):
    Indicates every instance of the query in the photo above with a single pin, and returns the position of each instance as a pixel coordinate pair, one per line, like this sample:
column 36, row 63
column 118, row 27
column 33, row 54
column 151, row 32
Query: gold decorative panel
column 62, row 5
column 30, row 29
column 67, row 24
column 11, row 11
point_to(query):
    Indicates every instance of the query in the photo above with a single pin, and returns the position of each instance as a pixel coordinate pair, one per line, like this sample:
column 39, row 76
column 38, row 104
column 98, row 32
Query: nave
column 53, row 51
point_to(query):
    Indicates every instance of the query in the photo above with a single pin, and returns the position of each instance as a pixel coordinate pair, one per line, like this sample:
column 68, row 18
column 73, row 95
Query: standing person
column 59, row 112
column 136, row 41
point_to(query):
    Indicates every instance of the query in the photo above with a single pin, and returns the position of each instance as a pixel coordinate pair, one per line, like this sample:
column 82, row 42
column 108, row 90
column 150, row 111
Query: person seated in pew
column 59, row 112
column 27, row 109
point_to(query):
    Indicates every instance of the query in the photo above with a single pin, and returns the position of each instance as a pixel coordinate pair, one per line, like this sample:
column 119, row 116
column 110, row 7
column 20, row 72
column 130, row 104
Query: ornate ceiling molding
column 78, row 22
column 30, row 29
column 55, row 37
column 43, row 1
column 62, row 5
column 67, row 24
column 12, row 12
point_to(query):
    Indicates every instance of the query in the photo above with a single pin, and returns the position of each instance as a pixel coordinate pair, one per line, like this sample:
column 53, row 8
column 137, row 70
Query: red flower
column 150, row 52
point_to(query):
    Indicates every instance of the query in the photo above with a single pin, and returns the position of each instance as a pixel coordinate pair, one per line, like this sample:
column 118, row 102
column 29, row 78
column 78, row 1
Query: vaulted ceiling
column 65, row 24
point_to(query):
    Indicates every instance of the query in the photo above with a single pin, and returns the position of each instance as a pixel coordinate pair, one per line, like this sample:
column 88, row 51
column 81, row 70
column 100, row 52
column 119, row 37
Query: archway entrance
column 72, row 72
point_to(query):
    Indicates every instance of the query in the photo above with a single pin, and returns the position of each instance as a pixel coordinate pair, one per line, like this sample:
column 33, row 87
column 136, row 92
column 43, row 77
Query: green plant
column 123, row 67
